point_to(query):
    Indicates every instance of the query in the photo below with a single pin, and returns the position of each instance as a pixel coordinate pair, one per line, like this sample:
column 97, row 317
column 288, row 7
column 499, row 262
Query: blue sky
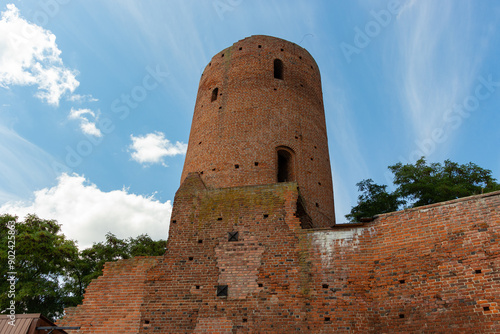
column 96, row 97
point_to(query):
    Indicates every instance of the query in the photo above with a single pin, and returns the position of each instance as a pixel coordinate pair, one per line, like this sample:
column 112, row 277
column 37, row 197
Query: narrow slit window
column 215, row 92
column 285, row 166
column 278, row 69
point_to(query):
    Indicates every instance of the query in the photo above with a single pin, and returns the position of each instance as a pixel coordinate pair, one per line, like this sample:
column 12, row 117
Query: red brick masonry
column 113, row 301
column 234, row 139
column 249, row 254
column 433, row 269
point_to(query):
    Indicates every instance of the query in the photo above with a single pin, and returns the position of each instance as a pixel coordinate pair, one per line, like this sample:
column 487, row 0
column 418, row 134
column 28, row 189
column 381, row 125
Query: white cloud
column 29, row 56
column 87, row 213
column 90, row 128
column 77, row 113
column 153, row 147
column 82, row 98
column 86, row 125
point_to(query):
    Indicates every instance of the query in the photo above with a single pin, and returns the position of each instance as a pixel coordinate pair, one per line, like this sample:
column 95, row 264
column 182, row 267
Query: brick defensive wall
column 433, row 269
column 252, row 244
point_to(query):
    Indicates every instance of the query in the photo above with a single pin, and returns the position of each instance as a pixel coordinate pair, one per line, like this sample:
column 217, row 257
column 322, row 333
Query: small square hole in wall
column 319, row 183
column 240, row 48
column 266, row 215
column 325, row 286
column 220, row 218
column 197, row 287
column 222, row 290
column 232, row 236
column 174, row 221
column 402, row 281
column 486, row 308
column 245, row 319
column 146, row 321
column 236, row 166
column 260, row 285
column 317, row 205
column 401, row 316
column 191, row 258
column 478, row 271
column 200, row 241
column 260, row 46
column 222, row 55
column 256, row 163
column 327, row 318
column 213, row 169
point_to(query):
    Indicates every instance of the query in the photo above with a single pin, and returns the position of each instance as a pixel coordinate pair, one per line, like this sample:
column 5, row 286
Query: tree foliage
column 423, row 183
column 51, row 273
column 420, row 184
column 374, row 200
column 42, row 256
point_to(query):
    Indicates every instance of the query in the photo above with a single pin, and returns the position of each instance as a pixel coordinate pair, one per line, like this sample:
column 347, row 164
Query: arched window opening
column 285, row 166
column 278, row 69
column 215, row 92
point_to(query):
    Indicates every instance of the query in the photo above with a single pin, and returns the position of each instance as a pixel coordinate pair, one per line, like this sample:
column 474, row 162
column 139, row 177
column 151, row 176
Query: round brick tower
column 259, row 119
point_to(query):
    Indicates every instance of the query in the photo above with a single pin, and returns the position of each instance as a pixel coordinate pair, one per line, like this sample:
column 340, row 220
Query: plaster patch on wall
column 328, row 241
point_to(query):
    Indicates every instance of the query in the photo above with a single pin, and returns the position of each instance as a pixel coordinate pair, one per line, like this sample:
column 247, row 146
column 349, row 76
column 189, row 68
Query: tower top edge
column 263, row 43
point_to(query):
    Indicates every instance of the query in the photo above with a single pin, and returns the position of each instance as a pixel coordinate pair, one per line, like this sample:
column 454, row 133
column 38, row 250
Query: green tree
column 51, row 273
column 42, row 256
column 374, row 200
column 424, row 183
column 420, row 184
column 143, row 245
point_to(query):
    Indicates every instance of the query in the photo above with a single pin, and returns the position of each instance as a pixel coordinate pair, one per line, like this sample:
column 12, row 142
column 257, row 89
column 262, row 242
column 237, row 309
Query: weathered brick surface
column 254, row 114
column 112, row 301
column 433, row 269
column 261, row 269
